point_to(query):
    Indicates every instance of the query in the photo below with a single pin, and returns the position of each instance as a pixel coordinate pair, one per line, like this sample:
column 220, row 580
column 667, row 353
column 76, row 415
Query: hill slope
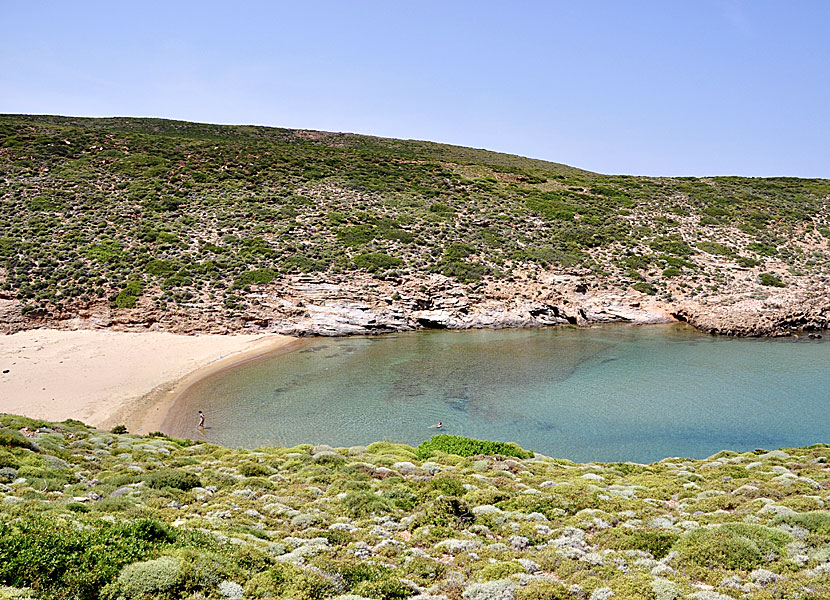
column 89, row 514
column 136, row 223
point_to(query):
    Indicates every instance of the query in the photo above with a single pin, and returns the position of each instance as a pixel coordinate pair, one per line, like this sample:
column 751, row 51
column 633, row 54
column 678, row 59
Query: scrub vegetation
column 88, row 514
column 158, row 214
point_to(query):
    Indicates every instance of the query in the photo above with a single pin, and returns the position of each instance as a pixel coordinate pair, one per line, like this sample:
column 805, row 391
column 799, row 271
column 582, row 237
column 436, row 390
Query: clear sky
column 662, row 87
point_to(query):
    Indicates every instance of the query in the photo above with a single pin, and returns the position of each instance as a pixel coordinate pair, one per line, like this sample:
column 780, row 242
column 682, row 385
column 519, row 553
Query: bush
column 770, row 279
column 7, row 474
column 387, row 588
column 157, row 578
column 63, row 561
column 733, row 546
column 446, row 511
column 119, row 429
column 816, row 521
column 363, row 504
column 462, row 446
column 656, row 543
column 644, row 288
column 288, row 580
column 14, row 439
column 7, row 459
column 172, row 478
column 257, row 276
column 544, row 590
column 250, row 469
column 376, row 261
column 501, row 570
column 426, row 570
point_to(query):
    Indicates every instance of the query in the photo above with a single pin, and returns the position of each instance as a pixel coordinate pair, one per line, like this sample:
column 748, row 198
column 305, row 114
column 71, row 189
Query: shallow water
column 611, row 393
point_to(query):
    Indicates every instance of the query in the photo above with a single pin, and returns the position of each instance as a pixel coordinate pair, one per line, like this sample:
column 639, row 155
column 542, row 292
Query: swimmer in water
column 438, row 425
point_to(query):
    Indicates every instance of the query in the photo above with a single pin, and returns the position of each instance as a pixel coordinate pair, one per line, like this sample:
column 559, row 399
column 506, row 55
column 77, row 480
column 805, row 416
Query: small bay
column 609, row 393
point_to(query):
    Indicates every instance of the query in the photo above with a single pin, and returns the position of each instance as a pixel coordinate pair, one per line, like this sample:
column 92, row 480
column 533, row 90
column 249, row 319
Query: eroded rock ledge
column 359, row 304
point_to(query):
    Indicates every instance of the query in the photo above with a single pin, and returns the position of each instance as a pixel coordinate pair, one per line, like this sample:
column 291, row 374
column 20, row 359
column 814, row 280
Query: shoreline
column 105, row 391
column 169, row 400
column 106, row 378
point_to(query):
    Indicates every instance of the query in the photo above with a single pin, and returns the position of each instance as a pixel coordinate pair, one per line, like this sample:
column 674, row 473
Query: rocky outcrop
column 358, row 304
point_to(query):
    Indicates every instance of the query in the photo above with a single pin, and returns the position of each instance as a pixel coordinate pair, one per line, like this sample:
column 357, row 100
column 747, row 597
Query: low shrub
column 172, row 478
column 287, row 580
column 7, row 459
column 254, row 470
column 446, row 511
column 771, row 279
column 63, row 561
column 119, row 429
column 14, row 439
column 733, row 546
column 426, row 570
column 157, row 578
column 815, row 521
column 463, row 446
column 656, row 543
column 501, row 570
column 363, row 504
column 7, row 474
column 544, row 590
column 387, row 588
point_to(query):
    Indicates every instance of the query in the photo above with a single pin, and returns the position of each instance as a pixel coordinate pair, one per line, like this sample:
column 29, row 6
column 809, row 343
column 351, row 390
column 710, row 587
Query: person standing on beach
column 201, row 420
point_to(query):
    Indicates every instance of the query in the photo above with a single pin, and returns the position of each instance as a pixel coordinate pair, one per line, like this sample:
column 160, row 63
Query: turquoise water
column 612, row 393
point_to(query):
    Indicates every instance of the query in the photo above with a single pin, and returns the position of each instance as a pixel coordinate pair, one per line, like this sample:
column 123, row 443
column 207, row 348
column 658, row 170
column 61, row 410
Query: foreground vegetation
column 163, row 214
column 92, row 514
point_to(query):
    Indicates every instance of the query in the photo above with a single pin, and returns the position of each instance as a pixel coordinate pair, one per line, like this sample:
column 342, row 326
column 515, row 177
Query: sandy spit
column 104, row 378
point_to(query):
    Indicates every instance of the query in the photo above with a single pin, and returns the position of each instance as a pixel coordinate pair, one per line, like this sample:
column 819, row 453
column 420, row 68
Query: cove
column 609, row 393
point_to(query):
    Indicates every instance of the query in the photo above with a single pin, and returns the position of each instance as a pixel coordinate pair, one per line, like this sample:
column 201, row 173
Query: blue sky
column 640, row 87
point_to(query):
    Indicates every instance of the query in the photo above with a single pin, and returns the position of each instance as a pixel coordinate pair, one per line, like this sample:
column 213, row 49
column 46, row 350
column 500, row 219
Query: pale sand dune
column 107, row 377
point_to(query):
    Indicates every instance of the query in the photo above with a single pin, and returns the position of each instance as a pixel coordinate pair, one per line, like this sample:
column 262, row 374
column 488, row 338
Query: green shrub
column 501, row 570
column 119, row 429
column 7, row 459
column 287, row 580
column 376, row 261
column 363, row 504
column 7, row 474
column 816, row 521
column 172, row 478
column 14, row 439
column 157, row 578
column 354, row 573
column 250, row 469
column 657, row 543
column 401, row 496
column 256, row 276
column 644, row 288
column 64, row 561
column 544, row 590
column 771, row 279
column 715, row 248
column 447, row 485
column 733, row 546
column 446, row 511
column 462, row 446
column 387, row 588
column 426, row 570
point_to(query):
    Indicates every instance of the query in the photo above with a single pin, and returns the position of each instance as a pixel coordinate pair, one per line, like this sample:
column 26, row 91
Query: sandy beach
column 104, row 378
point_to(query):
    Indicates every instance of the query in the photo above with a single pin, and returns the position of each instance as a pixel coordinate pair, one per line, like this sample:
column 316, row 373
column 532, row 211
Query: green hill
column 169, row 215
column 90, row 514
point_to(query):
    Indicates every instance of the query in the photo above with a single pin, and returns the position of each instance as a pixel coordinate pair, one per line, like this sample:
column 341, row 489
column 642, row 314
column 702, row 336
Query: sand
column 104, row 378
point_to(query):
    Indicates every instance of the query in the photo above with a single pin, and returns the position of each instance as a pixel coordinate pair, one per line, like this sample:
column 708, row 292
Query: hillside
column 138, row 223
column 91, row 514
